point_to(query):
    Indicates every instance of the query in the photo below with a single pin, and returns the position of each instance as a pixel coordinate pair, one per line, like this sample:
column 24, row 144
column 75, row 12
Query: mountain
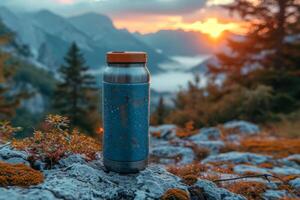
column 50, row 35
column 179, row 42
column 101, row 31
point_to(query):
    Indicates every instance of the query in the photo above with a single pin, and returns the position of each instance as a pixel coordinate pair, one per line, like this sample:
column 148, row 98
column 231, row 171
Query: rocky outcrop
column 73, row 178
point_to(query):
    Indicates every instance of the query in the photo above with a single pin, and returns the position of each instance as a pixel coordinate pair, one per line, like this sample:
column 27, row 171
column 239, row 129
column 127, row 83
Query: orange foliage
column 7, row 131
column 189, row 179
column 175, row 194
column 190, row 169
column 57, row 141
column 251, row 190
column 187, row 131
column 278, row 147
column 19, row 175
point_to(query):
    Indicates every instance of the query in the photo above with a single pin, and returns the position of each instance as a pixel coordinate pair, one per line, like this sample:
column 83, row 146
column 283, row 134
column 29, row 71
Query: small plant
column 187, row 131
column 175, row 194
column 56, row 141
column 19, row 175
column 7, row 131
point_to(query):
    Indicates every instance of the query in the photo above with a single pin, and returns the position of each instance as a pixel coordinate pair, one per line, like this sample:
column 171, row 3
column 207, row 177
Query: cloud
column 110, row 7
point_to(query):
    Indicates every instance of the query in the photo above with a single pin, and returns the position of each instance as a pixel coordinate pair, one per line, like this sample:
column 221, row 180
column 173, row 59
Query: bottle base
column 125, row 167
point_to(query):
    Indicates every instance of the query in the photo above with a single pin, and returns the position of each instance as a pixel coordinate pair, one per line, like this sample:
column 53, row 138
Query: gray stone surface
column 9, row 155
column 211, row 133
column 243, row 127
column 286, row 170
column 213, row 146
column 168, row 153
column 212, row 192
column 238, row 157
column 275, row 194
column 242, row 169
column 167, row 131
column 82, row 181
column 295, row 183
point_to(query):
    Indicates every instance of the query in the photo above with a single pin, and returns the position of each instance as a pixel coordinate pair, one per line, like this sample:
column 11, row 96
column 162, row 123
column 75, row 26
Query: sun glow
column 211, row 26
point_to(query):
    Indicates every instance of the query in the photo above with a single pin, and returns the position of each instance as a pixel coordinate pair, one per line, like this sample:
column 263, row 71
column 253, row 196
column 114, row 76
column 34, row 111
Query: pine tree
column 76, row 96
column 161, row 112
column 269, row 54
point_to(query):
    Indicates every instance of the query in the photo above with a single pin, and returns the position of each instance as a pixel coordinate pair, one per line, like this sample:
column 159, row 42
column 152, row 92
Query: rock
column 169, row 154
column 211, row 133
column 212, row 192
column 275, row 194
column 242, row 169
column 213, row 146
column 17, row 160
column 9, row 155
column 285, row 170
column 39, row 165
column 295, row 183
column 21, row 194
column 238, row 157
column 292, row 161
column 243, row 127
column 68, row 161
column 81, row 181
column 167, row 131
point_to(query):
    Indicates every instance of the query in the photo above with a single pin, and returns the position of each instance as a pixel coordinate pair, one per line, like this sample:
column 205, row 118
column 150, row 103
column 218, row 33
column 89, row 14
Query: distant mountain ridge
column 50, row 35
column 183, row 43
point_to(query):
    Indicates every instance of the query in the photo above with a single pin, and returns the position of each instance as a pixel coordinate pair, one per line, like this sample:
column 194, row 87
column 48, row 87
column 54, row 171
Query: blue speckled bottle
column 126, row 94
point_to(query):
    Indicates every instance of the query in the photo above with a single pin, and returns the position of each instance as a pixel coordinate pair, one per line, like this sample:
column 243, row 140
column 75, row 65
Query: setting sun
column 211, row 26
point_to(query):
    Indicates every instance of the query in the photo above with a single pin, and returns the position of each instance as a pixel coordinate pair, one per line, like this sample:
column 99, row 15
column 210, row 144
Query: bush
column 7, row 131
column 175, row 194
column 19, row 175
column 56, row 141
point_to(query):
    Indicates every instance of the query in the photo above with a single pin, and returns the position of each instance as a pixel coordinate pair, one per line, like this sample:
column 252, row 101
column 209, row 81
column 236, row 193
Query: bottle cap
column 126, row 57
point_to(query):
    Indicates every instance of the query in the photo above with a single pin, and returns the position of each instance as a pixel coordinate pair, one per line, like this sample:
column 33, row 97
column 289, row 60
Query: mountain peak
column 92, row 18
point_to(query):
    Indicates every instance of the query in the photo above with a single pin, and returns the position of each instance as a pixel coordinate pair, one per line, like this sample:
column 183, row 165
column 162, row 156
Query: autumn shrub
column 56, row 141
column 175, row 194
column 251, row 190
column 19, row 175
column 7, row 131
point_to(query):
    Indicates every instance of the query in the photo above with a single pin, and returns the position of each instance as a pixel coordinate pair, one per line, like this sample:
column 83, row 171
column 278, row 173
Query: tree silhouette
column 76, row 96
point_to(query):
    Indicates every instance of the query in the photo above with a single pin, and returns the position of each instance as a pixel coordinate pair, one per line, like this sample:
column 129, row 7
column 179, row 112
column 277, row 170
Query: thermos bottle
column 126, row 81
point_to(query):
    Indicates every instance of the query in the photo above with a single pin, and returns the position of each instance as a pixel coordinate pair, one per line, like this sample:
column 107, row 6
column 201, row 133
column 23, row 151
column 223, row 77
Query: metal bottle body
column 126, row 117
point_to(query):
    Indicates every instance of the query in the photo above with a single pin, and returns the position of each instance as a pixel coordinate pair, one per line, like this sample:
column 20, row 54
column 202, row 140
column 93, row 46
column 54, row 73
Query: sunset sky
column 144, row 16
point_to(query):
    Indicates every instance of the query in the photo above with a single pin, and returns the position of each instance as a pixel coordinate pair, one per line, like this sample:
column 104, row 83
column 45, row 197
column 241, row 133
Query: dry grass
column 286, row 128
column 251, row 190
column 189, row 179
column 19, row 175
column 175, row 194
column 278, row 147
column 190, row 169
